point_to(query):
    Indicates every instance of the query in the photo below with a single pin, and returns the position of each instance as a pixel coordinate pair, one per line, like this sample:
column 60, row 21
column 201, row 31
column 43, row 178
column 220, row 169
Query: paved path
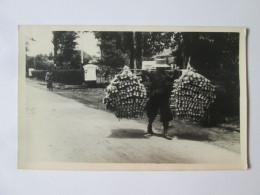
column 59, row 129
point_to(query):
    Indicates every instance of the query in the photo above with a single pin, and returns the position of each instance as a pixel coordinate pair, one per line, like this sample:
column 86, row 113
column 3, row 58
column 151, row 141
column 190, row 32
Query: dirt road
column 59, row 129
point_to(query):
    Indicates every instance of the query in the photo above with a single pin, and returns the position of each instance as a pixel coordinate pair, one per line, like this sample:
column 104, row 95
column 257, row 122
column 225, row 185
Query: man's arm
column 174, row 75
column 147, row 74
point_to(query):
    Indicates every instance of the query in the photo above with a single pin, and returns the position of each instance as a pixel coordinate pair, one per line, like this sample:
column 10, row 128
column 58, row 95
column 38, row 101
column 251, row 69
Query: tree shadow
column 191, row 136
column 186, row 134
column 141, row 134
column 128, row 133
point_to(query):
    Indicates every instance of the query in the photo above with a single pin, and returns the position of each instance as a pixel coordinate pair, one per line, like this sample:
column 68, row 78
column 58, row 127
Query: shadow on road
column 185, row 133
column 192, row 136
column 128, row 133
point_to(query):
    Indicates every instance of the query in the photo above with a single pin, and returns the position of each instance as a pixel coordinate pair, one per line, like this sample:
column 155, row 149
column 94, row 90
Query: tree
column 149, row 44
column 30, row 62
column 156, row 42
column 144, row 45
column 111, row 47
column 76, row 59
column 64, row 47
column 208, row 51
column 116, row 47
column 51, row 56
column 42, row 63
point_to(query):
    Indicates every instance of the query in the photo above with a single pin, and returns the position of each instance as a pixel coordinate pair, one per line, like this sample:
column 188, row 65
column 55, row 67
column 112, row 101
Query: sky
column 41, row 43
column 88, row 43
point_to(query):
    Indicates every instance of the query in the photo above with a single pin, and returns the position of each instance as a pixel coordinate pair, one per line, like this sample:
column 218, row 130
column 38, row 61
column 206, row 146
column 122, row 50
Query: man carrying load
column 160, row 88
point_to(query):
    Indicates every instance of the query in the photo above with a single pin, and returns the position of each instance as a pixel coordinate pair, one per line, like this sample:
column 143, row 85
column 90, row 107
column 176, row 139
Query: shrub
column 69, row 77
column 39, row 74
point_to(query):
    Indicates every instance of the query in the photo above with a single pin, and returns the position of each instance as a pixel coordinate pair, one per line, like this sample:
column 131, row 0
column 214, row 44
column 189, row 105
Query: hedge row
column 68, row 77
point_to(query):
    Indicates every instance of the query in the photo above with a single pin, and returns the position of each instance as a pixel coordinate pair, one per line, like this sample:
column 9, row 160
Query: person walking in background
column 48, row 78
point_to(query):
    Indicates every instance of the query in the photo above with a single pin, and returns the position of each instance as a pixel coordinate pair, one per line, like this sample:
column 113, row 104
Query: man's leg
column 150, row 127
column 166, row 115
column 165, row 128
column 152, row 111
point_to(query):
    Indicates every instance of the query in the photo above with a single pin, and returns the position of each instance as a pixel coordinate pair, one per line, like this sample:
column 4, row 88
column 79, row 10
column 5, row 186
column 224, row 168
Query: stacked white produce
column 125, row 95
column 192, row 96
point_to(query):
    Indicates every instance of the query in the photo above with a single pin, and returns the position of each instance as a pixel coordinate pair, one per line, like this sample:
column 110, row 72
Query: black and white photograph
column 132, row 98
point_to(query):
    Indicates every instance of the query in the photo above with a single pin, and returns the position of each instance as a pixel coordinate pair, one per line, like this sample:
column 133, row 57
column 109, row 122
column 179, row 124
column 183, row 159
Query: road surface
column 58, row 129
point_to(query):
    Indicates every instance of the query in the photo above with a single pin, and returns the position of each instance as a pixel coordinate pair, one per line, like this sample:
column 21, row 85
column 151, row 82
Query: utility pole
column 81, row 40
column 33, row 40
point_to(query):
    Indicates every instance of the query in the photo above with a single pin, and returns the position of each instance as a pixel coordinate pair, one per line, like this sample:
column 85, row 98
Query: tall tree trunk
column 134, row 39
column 139, row 49
column 132, row 51
column 136, row 50
column 55, row 55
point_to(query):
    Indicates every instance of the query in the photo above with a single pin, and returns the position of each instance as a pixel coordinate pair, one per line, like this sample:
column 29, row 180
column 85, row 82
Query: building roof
column 165, row 52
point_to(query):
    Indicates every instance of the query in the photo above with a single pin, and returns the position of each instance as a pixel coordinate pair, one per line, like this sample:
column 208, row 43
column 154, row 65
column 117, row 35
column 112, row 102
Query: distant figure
column 48, row 78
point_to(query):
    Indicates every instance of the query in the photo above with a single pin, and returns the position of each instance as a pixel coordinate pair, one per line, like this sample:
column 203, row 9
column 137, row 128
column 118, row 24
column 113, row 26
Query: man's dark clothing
column 160, row 91
column 156, row 103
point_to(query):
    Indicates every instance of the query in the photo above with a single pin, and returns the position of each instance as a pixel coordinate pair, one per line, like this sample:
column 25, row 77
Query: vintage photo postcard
column 132, row 98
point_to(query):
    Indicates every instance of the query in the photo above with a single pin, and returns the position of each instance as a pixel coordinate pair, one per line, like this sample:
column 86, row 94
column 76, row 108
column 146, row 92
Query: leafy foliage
column 155, row 42
column 69, row 77
column 39, row 62
column 208, row 51
column 112, row 51
column 64, row 48
column 76, row 59
column 116, row 47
